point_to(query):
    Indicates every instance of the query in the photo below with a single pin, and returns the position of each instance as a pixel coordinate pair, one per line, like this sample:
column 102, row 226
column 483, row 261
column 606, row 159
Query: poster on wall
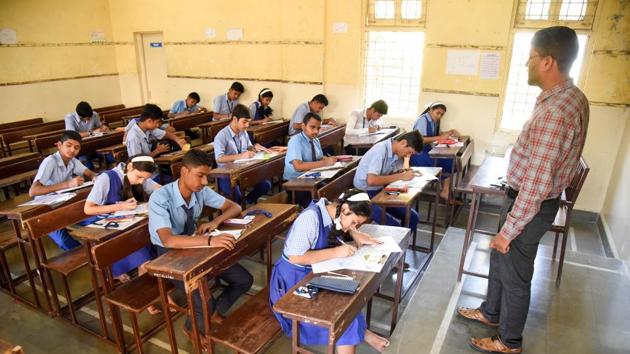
column 462, row 62
column 489, row 65
column 8, row 36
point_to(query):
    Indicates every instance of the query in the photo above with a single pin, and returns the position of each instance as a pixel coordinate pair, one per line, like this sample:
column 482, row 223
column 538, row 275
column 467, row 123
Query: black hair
column 194, row 96
column 310, row 115
column 321, row 99
column 264, row 111
column 240, row 111
column 84, row 110
column 433, row 106
column 136, row 190
column 151, row 111
column 360, row 208
column 237, row 86
column 70, row 135
column 558, row 42
column 414, row 140
column 195, row 158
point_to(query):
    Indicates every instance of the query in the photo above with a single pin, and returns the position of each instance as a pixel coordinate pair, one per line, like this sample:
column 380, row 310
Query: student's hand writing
column 205, row 228
column 160, row 148
column 407, row 175
column 247, row 154
column 372, row 129
column 329, row 160
column 259, row 147
column 345, row 250
column 223, row 241
column 76, row 181
column 128, row 204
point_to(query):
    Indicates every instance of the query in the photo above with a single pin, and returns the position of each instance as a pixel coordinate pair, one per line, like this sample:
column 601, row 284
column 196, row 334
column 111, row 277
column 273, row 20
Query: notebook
column 346, row 286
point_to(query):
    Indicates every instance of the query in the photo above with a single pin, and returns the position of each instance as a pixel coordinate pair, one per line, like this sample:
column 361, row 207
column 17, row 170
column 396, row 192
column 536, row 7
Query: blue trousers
column 87, row 159
column 259, row 190
column 394, row 216
column 63, row 239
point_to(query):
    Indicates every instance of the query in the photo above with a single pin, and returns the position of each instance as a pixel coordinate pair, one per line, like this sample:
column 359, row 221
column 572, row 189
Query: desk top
column 43, row 134
column 406, row 198
column 328, row 309
column 367, row 141
column 20, row 177
column 213, row 122
column 300, row 184
column 262, row 127
column 189, row 265
column 176, row 156
column 488, row 173
column 233, row 168
column 12, row 211
column 449, row 152
column 97, row 235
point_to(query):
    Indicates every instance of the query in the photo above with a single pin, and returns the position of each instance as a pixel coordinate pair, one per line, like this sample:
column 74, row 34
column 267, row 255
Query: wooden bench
column 333, row 190
column 21, row 123
column 101, row 110
column 91, row 145
column 268, row 133
column 114, row 118
column 133, row 296
column 251, row 328
column 7, row 241
column 190, row 121
column 17, row 136
column 210, row 129
column 65, row 263
column 17, row 173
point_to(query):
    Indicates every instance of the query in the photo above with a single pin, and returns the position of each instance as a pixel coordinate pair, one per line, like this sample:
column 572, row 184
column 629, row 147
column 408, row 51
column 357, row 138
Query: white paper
column 70, row 189
column 337, row 165
column 258, row 157
column 50, row 199
column 339, row 27
column 367, row 258
column 244, row 221
column 416, row 182
column 235, row 34
column 235, row 233
column 457, row 144
column 122, row 225
column 489, row 65
column 462, row 62
column 97, row 36
column 142, row 208
column 8, row 36
column 323, row 174
column 378, row 132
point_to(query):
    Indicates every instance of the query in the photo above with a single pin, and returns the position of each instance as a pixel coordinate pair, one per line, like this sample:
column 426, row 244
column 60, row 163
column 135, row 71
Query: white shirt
column 358, row 123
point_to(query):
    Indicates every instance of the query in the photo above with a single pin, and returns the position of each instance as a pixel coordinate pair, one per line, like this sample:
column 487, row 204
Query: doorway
column 152, row 67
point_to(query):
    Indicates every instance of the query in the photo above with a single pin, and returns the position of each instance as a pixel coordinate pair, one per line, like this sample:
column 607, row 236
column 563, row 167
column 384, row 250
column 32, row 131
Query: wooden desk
column 31, row 138
column 269, row 132
column 190, row 121
column 194, row 266
column 17, row 158
column 357, row 142
column 105, row 109
column 489, row 172
column 172, row 158
column 336, row 311
column 449, row 153
column 17, row 172
column 332, row 136
column 114, row 118
column 21, row 123
column 312, row 185
column 210, row 129
column 16, row 136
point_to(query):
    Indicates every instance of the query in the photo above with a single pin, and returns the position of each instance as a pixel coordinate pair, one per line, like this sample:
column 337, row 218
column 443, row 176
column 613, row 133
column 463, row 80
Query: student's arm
column 37, row 188
column 302, row 166
column 377, row 180
column 89, row 174
column 229, row 158
column 229, row 210
column 91, row 208
column 171, row 136
column 315, row 256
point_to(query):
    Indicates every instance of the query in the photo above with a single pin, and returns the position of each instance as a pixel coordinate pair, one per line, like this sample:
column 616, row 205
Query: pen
column 340, row 240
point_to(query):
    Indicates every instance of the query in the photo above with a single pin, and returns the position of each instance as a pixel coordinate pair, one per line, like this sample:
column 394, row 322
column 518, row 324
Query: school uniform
column 168, row 209
column 180, row 106
column 222, row 105
column 301, row 147
column 107, row 190
column 381, row 160
column 74, row 122
column 427, row 127
column 257, row 113
column 227, row 142
column 298, row 117
column 359, row 124
column 53, row 171
column 140, row 142
column 309, row 232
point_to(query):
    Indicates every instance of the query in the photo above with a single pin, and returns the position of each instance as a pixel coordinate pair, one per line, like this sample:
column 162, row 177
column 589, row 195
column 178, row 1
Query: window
column 395, row 12
column 392, row 71
column 519, row 96
column 578, row 14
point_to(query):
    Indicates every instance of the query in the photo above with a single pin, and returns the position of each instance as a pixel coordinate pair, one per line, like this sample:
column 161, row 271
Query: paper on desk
column 367, row 258
column 457, row 144
column 70, row 189
column 235, row 233
column 142, row 208
column 416, row 182
column 258, row 157
column 244, row 221
column 337, row 165
column 123, row 225
column 50, row 199
column 322, row 174
column 380, row 131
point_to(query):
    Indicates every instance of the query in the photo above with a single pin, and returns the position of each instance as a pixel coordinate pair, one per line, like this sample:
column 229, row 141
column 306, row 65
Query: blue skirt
column 283, row 277
column 422, row 159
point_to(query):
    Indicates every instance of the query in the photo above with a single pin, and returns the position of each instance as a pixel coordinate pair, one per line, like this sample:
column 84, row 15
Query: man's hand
column 345, row 251
column 160, row 148
column 407, row 175
column 76, row 181
column 329, row 160
column 129, row 204
column 223, row 241
column 363, row 239
column 500, row 244
column 206, row 228
column 247, row 154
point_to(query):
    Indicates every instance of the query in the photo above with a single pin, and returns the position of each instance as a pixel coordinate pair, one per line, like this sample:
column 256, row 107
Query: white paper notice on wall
column 97, row 36
column 235, row 34
column 210, row 33
column 340, row 27
column 462, row 62
column 8, row 36
column 489, row 65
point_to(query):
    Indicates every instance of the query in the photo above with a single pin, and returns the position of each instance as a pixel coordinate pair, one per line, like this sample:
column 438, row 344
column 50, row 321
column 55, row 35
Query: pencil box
column 346, row 286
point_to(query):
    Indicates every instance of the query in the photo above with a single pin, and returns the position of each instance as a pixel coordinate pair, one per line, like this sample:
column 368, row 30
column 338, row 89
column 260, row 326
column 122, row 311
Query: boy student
column 185, row 107
column 58, row 171
column 382, row 165
column 145, row 131
column 366, row 121
column 173, row 211
column 84, row 120
column 224, row 104
column 232, row 143
column 315, row 105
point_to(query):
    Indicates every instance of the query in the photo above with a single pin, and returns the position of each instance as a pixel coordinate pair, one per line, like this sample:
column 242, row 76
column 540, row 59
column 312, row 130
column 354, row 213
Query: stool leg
column 136, row 331
column 6, row 272
column 555, row 247
column 69, row 303
column 53, row 290
column 561, row 263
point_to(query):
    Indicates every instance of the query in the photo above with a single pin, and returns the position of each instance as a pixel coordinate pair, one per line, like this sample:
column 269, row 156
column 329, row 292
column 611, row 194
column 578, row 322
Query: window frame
column 397, row 21
column 553, row 16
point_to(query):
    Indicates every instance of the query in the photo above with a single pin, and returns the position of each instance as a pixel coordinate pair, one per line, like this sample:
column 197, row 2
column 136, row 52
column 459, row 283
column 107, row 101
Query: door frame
column 141, row 63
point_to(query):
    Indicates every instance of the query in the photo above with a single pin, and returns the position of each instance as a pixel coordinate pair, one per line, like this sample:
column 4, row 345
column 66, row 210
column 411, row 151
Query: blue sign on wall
column 156, row 44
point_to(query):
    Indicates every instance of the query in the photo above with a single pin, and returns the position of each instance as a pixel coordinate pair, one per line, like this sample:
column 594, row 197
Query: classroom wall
column 54, row 65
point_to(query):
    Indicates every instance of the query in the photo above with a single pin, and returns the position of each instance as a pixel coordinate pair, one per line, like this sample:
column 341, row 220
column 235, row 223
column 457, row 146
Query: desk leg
column 368, row 315
column 167, row 314
column 204, row 292
column 383, row 216
column 27, row 267
column 195, row 330
column 331, row 342
column 397, row 292
column 97, row 292
column 295, row 336
column 470, row 227
column 437, row 202
column 269, row 255
column 408, row 223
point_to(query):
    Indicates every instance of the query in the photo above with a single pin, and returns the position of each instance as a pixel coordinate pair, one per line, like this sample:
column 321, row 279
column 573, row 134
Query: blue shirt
column 379, row 160
column 423, row 124
column 100, row 189
column 180, row 106
column 299, row 148
column 304, row 233
column 155, row 134
column 74, row 122
column 298, row 117
column 166, row 209
column 229, row 143
column 222, row 105
column 139, row 142
column 53, row 170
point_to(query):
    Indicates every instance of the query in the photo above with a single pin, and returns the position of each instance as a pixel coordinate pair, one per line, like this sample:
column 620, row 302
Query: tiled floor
column 589, row 313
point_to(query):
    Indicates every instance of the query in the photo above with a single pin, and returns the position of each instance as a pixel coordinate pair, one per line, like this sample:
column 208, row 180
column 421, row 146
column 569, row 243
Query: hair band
column 142, row 159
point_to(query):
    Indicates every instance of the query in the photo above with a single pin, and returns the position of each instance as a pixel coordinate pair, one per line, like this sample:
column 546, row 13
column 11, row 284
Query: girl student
column 314, row 237
column 260, row 110
column 426, row 124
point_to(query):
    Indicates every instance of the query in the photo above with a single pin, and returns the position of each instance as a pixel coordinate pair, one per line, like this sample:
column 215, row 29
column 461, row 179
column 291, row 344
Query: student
column 173, row 211
column 185, row 107
column 426, row 124
column 224, row 104
column 315, row 105
column 59, row 171
column 260, row 110
column 232, row 143
column 313, row 238
column 382, row 165
column 366, row 121
column 84, row 120
column 304, row 152
column 144, row 133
